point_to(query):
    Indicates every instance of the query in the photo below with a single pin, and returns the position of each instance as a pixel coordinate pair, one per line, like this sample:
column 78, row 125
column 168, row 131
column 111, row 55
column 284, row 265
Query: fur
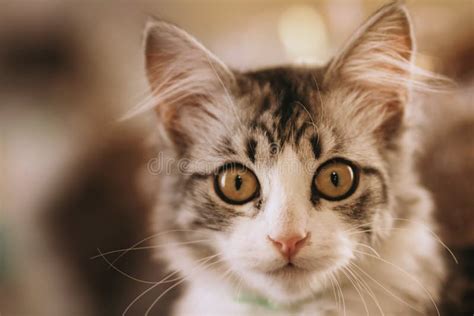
column 374, row 252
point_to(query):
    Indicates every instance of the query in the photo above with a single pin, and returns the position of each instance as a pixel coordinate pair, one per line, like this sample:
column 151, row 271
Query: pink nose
column 289, row 245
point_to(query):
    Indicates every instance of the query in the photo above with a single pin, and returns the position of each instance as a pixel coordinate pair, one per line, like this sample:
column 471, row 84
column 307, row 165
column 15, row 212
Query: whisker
column 175, row 285
column 122, row 272
column 357, row 289
column 354, row 228
column 336, row 296
column 147, row 247
column 367, row 289
column 239, row 286
column 432, row 233
column 407, row 274
column 353, row 231
column 143, row 293
column 370, row 248
column 138, row 298
column 437, row 238
column 153, row 236
column 342, row 295
column 386, row 289
column 206, row 259
column 360, row 232
column 227, row 274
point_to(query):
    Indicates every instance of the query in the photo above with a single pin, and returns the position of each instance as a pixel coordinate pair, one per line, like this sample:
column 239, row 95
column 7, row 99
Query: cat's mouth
column 289, row 269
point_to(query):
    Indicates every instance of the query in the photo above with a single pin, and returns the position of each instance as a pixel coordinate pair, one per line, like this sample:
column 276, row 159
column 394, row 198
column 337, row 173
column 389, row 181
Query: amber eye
column 336, row 179
column 235, row 184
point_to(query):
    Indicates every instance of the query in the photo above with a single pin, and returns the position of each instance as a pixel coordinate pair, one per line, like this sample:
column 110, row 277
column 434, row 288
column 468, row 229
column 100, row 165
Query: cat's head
column 288, row 170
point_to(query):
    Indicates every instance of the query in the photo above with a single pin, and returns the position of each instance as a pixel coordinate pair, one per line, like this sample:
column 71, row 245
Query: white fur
column 341, row 273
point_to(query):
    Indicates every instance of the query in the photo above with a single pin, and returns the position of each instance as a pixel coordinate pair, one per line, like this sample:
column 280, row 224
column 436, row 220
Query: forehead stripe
column 251, row 149
column 264, row 129
column 316, row 146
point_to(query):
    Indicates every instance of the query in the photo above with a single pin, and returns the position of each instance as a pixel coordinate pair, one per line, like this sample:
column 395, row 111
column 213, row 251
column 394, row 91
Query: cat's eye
column 235, row 184
column 336, row 179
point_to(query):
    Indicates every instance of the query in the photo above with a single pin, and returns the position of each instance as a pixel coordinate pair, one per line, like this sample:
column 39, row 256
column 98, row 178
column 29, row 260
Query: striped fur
column 283, row 123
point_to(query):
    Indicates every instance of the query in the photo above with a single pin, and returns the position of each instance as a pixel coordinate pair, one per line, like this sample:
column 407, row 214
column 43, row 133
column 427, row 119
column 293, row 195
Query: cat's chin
column 288, row 271
column 286, row 285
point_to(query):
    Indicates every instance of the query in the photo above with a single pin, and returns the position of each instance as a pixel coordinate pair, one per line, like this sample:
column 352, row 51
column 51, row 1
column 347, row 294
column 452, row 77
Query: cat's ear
column 186, row 80
column 172, row 55
column 376, row 65
column 379, row 55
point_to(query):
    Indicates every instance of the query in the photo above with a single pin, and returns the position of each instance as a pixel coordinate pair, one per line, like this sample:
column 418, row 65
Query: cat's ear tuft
column 187, row 81
column 380, row 54
column 172, row 55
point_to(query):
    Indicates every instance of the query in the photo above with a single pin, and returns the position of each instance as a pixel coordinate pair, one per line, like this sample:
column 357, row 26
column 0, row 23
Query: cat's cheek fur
column 253, row 258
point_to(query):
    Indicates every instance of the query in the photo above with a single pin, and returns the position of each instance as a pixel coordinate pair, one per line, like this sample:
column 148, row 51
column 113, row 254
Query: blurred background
column 74, row 181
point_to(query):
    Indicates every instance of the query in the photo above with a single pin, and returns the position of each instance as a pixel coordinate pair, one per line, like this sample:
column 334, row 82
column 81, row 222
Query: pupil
column 238, row 182
column 335, row 178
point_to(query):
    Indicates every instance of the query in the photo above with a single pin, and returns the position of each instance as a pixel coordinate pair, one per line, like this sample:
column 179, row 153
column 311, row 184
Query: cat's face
column 288, row 170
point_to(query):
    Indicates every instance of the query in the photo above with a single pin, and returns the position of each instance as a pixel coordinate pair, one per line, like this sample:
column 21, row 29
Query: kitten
column 292, row 189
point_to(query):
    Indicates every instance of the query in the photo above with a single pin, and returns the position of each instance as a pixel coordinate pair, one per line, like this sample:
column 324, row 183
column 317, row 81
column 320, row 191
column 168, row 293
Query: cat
column 292, row 189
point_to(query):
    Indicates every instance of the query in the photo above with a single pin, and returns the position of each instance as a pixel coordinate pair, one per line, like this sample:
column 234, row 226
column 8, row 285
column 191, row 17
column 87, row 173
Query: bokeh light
column 304, row 34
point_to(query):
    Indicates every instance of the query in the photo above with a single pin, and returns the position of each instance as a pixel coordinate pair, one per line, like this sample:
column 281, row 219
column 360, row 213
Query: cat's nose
column 289, row 245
